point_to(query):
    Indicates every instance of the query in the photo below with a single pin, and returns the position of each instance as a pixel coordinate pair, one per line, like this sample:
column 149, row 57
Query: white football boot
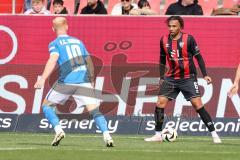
column 108, row 139
column 58, row 137
column 216, row 140
column 155, row 138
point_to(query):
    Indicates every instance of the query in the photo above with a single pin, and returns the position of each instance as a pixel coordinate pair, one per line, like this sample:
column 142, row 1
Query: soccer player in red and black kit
column 179, row 48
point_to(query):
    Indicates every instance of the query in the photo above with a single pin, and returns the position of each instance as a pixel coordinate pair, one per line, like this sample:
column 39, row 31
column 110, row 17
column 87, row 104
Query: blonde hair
column 59, row 23
column 36, row 1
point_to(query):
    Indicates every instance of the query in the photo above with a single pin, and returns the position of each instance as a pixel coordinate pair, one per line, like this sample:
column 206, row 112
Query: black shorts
column 170, row 88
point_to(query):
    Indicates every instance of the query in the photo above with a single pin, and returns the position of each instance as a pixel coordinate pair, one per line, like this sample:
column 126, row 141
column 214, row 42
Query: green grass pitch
column 36, row 146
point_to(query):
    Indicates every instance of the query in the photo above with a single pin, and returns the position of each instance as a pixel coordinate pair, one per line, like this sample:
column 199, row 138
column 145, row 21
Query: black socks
column 159, row 118
column 206, row 118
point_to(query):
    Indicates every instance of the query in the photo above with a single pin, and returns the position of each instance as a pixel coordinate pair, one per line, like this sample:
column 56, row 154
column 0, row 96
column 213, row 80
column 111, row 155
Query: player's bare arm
column 50, row 65
column 234, row 88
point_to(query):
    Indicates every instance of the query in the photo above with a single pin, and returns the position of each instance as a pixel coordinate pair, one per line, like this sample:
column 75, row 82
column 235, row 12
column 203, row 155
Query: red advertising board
column 121, row 46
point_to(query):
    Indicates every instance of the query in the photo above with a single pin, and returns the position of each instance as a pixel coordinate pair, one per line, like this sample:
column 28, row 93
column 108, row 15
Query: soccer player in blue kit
column 75, row 73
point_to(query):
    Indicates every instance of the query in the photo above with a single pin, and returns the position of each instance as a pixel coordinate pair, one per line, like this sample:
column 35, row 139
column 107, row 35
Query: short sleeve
column 52, row 48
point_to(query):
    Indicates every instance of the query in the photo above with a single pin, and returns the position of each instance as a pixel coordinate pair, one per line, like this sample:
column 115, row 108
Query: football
column 169, row 134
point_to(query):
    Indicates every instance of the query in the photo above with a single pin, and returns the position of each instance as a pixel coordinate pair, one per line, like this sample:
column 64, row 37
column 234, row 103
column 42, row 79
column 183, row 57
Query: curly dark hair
column 178, row 18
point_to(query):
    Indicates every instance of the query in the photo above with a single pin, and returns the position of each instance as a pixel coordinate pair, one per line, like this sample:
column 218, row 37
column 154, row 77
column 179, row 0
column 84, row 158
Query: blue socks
column 101, row 123
column 51, row 115
column 100, row 120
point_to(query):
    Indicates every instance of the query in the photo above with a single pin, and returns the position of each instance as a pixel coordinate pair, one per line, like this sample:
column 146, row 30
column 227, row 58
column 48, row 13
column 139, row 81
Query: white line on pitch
column 12, row 149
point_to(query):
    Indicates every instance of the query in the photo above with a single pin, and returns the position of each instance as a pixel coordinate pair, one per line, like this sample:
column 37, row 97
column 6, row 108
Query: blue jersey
column 71, row 60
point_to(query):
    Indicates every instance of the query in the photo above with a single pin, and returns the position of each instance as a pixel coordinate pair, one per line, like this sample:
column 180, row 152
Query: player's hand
column 39, row 84
column 233, row 90
column 208, row 79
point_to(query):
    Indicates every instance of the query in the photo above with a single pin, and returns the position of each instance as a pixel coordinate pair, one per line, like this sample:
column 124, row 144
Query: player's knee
column 48, row 103
column 197, row 103
column 161, row 103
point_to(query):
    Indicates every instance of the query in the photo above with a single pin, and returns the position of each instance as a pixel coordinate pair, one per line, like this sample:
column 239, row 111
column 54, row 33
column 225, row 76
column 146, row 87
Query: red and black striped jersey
column 179, row 54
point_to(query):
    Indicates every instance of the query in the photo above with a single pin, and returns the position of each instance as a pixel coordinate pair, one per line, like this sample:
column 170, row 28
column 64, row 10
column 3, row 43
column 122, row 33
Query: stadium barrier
column 125, row 53
column 117, row 124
